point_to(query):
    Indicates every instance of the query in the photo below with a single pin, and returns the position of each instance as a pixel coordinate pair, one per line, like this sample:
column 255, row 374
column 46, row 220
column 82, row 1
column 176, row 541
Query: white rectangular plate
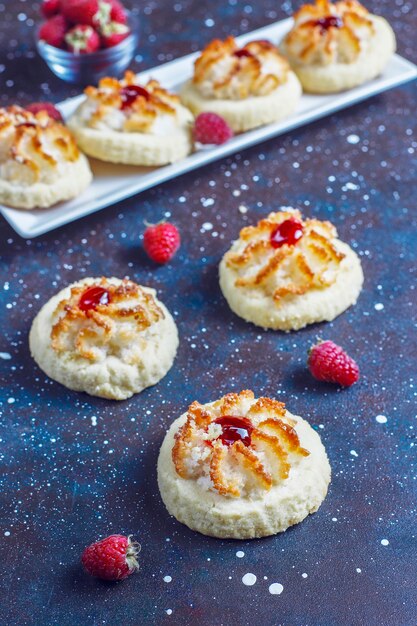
column 113, row 183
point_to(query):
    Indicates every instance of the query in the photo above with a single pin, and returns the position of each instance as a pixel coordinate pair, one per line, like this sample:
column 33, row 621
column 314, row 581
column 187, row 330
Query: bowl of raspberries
column 84, row 40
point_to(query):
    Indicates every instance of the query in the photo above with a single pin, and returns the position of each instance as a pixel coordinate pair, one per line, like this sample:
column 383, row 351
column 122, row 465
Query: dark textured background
column 76, row 468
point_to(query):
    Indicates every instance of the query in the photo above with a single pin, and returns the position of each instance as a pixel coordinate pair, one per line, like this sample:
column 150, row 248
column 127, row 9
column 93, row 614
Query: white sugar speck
column 276, row 589
column 7, row 533
column 207, row 226
column 168, row 611
column 5, row 355
column 11, row 400
column 354, row 453
column 384, row 542
column 358, row 570
column 379, row 306
column 353, row 139
column 304, row 575
column 240, row 554
column 350, row 187
column 243, row 209
column 93, row 421
column 381, row 419
column 249, row 579
column 167, row 579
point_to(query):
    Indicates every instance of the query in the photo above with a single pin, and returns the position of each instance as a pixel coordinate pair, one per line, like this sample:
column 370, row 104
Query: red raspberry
column 113, row 558
column 161, row 241
column 80, row 11
column 118, row 12
column 210, row 128
column 50, row 109
column 113, row 33
column 49, row 8
column 53, row 31
column 82, row 39
column 329, row 362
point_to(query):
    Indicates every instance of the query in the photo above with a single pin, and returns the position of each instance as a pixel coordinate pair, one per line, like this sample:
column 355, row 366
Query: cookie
column 287, row 272
column 337, row 46
column 108, row 337
column 40, row 164
column 242, row 467
column 248, row 87
column 124, row 122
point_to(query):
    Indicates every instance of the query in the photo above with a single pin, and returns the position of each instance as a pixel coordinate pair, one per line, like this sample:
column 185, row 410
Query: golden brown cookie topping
column 33, row 145
column 285, row 256
column 102, row 318
column 237, row 445
column 224, row 70
column 327, row 32
column 139, row 105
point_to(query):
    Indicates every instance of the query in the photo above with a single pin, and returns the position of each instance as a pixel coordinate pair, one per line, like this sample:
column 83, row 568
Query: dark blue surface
column 76, row 468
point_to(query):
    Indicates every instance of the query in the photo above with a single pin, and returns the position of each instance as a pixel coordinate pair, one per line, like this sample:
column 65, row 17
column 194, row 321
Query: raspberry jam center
column 331, row 21
column 130, row 93
column 288, row 232
column 234, row 429
column 93, row 297
column 242, row 53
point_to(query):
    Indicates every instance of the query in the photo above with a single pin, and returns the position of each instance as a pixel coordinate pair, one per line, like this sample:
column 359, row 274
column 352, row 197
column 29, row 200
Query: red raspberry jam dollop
column 93, row 297
column 242, row 53
column 331, row 21
column 234, row 429
column 288, row 232
column 130, row 93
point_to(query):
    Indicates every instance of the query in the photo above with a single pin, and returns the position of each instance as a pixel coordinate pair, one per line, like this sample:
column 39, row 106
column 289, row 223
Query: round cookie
column 248, row 87
column 242, row 468
column 122, row 122
column 108, row 337
column 334, row 47
column 286, row 272
column 40, row 164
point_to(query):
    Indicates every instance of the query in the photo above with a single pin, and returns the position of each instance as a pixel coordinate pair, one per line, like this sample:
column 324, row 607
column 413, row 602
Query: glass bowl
column 88, row 68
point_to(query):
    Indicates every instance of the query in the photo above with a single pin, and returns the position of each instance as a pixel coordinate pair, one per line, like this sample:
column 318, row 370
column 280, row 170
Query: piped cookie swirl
column 237, row 446
column 224, row 70
column 327, row 32
column 126, row 106
column 285, row 256
column 103, row 319
column 34, row 148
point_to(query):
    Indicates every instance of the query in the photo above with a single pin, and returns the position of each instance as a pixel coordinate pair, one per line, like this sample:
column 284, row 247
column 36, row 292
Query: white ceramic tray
column 113, row 183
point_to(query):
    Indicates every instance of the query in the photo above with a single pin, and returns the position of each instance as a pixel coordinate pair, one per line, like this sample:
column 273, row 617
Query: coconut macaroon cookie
column 108, row 337
column 333, row 47
column 248, row 87
column 40, row 163
column 124, row 122
column 287, row 272
column 242, row 467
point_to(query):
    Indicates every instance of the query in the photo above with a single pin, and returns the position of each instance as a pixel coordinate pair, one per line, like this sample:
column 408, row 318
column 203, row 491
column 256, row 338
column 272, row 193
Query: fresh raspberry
column 53, row 31
column 80, row 11
column 161, row 241
column 49, row 8
column 50, row 109
column 113, row 558
column 82, row 39
column 329, row 362
column 210, row 128
column 118, row 12
column 113, row 33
